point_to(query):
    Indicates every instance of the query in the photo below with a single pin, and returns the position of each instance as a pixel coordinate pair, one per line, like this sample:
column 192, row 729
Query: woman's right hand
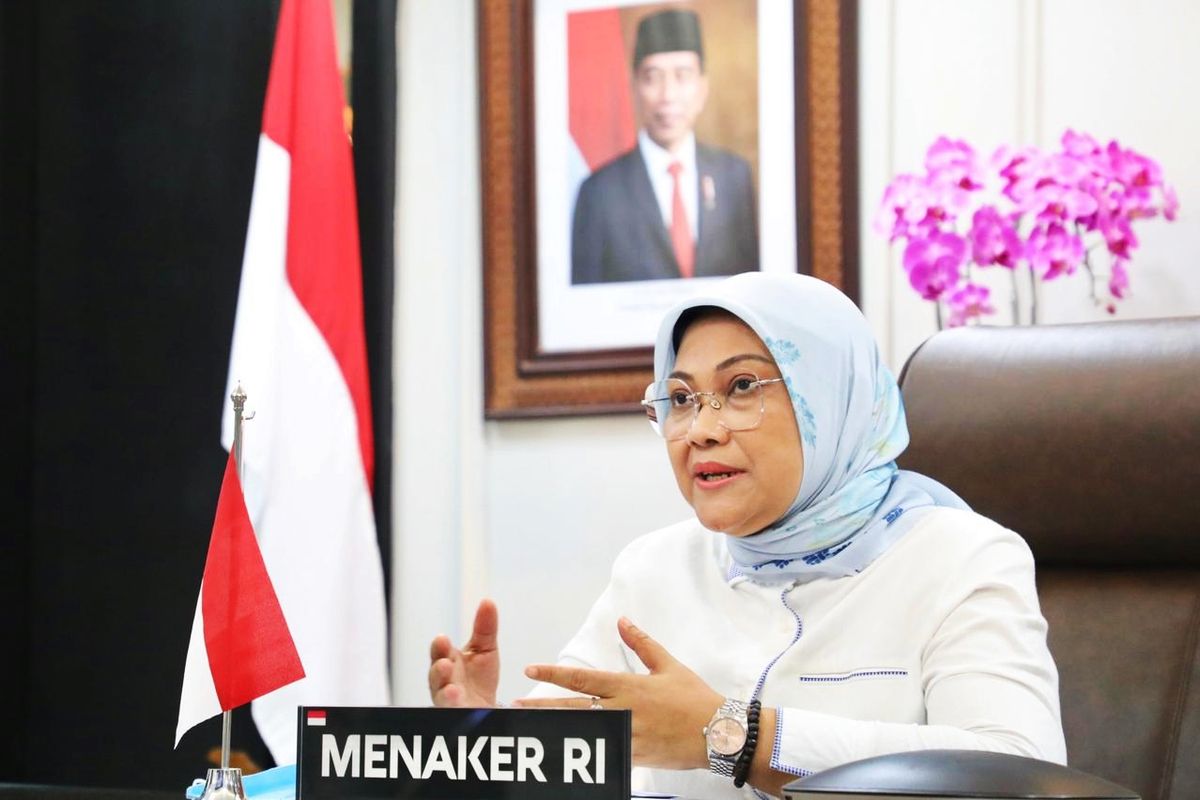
column 467, row 678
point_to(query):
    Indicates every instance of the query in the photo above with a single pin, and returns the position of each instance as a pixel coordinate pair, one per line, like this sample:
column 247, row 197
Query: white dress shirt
column 939, row 643
column 658, row 161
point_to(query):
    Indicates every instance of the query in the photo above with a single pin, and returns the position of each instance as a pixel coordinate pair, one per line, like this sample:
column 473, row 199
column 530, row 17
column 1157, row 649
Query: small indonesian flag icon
column 316, row 718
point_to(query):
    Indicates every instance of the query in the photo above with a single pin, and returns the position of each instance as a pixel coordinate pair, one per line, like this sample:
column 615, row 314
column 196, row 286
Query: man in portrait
column 670, row 207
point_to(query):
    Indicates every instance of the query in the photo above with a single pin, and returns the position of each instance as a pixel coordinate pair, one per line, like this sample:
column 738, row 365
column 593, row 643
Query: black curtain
column 373, row 94
column 128, row 150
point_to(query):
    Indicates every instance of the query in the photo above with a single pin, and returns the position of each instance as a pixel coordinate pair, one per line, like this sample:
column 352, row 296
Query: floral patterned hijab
column 853, row 502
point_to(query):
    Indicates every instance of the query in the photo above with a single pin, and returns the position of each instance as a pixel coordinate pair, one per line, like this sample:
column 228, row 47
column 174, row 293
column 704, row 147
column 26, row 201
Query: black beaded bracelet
column 741, row 769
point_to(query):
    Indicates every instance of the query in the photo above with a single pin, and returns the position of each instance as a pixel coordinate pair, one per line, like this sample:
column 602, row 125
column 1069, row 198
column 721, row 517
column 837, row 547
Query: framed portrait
column 634, row 153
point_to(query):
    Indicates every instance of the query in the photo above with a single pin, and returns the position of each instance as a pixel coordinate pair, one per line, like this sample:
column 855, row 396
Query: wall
column 531, row 512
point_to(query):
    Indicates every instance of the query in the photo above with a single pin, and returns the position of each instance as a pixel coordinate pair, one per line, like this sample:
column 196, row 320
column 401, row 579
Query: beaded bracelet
column 741, row 770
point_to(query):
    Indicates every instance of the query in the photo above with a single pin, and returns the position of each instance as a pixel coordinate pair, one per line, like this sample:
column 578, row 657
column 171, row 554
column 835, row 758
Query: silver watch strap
column 719, row 763
column 735, row 708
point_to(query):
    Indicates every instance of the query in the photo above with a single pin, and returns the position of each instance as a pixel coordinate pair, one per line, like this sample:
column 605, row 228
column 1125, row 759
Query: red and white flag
column 600, row 108
column 299, row 351
column 240, row 647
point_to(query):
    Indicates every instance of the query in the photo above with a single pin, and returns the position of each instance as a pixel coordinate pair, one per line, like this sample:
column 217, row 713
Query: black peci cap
column 668, row 31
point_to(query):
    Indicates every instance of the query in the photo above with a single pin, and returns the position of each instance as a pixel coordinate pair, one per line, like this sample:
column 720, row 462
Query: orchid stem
column 1033, row 297
column 1087, row 264
column 1016, row 307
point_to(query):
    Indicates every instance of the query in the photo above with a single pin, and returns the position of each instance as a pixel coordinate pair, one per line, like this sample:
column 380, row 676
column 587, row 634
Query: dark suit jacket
column 618, row 233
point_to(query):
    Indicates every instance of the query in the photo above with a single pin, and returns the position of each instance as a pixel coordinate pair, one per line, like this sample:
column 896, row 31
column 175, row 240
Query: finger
column 441, row 647
column 577, row 703
column 449, row 696
column 652, row 654
column 487, row 623
column 576, row 679
column 441, row 672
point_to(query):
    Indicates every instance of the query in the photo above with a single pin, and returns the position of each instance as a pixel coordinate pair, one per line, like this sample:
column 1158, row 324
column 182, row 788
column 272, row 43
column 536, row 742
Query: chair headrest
column 1083, row 438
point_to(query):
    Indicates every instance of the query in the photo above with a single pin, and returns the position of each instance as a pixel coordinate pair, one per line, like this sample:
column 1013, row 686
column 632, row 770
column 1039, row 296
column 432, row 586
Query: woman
column 866, row 608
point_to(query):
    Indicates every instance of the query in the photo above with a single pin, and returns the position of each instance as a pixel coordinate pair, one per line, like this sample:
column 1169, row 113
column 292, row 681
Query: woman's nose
column 706, row 425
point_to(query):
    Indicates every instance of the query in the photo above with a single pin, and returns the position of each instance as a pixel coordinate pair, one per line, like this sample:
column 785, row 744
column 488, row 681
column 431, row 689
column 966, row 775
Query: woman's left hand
column 670, row 706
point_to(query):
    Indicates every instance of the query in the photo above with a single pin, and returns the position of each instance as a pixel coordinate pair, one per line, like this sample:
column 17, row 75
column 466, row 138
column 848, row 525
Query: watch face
column 726, row 736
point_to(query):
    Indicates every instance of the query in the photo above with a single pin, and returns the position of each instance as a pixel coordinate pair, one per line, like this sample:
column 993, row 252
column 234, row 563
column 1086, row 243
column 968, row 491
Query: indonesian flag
column 240, row 647
column 299, row 351
column 599, row 106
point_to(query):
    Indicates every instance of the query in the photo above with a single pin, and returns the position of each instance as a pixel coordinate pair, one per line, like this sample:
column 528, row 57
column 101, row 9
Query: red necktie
column 681, row 232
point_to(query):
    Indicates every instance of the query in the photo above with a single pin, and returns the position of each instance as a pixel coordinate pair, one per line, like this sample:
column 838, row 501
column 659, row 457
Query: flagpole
column 239, row 406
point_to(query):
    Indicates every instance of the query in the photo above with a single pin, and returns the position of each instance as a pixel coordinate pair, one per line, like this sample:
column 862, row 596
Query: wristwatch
column 725, row 735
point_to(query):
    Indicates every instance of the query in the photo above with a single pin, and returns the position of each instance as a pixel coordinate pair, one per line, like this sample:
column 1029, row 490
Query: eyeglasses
column 673, row 407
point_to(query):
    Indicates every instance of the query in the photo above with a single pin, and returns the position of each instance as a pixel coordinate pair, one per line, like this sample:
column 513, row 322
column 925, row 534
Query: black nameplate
column 348, row 753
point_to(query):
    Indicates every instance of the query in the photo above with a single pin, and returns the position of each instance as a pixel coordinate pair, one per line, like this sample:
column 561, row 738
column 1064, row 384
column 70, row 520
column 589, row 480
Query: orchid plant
column 1024, row 210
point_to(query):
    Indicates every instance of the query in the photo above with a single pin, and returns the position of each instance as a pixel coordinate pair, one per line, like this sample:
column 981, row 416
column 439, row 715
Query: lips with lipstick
column 711, row 474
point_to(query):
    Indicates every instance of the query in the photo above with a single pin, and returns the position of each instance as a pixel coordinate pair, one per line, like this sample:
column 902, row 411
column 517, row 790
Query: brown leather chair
column 1085, row 439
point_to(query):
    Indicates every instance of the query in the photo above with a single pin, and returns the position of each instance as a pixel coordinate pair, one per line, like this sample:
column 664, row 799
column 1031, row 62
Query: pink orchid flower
column 1170, row 202
column 994, row 239
column 968, row 302
column 953, row 163
column 1118, row 281
column 1118, row 235
column 1079, row 145
column 1053, row 202
column 1052, row 251
column 933, row 264
column 908, row 206
column 1132, row 168
column 1051, row 210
